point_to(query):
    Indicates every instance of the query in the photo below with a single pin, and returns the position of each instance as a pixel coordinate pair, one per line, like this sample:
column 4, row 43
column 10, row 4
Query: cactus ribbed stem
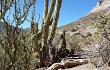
column 50, row 12
column 45, row 8
column 48, row 19
column 55, row 20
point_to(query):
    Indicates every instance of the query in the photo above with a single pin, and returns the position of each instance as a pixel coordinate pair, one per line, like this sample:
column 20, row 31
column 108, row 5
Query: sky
column 71, row 10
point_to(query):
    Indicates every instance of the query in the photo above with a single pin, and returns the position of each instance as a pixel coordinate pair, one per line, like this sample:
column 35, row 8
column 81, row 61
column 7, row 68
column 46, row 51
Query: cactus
column 47, row 21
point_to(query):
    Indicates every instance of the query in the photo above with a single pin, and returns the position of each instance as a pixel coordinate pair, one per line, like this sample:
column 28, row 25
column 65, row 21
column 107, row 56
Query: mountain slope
column 103, row 8
column 85, row 33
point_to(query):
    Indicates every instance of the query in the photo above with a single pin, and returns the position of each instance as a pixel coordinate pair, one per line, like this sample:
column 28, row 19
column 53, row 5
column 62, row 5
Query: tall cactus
column 46, row 34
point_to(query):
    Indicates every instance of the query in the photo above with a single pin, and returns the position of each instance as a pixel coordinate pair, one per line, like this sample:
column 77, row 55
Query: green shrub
column 98, row 37
column 73, row 43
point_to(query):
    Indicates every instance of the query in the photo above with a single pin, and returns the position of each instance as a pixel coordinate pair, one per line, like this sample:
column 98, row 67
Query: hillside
column 103, row 8
column 84, row 21
column 90, row 34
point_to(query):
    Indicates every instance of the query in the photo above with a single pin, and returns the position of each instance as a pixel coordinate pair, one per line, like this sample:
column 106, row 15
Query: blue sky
column 71, row 10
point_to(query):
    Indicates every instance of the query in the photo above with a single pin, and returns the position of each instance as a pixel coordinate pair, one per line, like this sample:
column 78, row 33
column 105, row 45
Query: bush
column 73, row 43
column 98, row 37
column 23, row 58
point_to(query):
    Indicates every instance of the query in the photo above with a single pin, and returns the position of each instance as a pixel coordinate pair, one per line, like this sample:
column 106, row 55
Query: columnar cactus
column 47, row 21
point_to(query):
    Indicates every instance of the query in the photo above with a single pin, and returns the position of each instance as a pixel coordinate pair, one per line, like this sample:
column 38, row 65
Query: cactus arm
column 45, row 8
column 55, row 19
column 47, row 20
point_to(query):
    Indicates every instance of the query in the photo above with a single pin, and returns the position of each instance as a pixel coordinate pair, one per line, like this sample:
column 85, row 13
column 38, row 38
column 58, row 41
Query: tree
column 17, row 47
column 15, row 51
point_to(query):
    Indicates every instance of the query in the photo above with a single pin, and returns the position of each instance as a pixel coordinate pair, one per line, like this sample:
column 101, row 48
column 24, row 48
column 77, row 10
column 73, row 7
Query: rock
column 88, row 66
column 68, row 63
column 73, row 30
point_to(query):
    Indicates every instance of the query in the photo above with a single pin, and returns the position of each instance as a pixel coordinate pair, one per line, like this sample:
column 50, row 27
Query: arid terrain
column 80, row 45
column 88, row 34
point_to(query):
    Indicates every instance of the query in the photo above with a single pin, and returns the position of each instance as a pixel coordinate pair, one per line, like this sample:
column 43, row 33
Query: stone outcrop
column 101, row 5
